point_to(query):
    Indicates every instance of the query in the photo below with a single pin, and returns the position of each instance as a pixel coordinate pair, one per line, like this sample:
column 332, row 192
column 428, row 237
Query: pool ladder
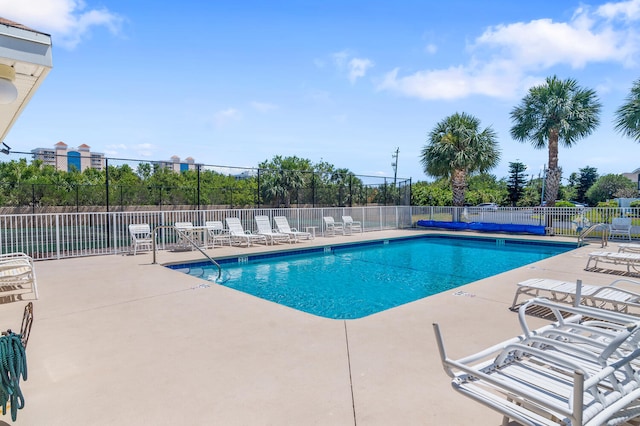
column 596, row 227
column 188, row 239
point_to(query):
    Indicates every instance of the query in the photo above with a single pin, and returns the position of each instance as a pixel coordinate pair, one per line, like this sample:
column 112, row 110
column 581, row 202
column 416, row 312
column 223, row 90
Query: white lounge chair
column 216, row 233
column 17, row 272
column 239, row 235
column 580, row 370
column 620, row 227
column 331, row 226
column 630, row 260
column 628, row 248
column 264, row 228
column 611, row 296
column 141, row 238
column 351, row 225
column 282, row 225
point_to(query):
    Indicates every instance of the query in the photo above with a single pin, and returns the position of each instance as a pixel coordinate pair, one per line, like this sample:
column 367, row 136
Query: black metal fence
column 126, row 185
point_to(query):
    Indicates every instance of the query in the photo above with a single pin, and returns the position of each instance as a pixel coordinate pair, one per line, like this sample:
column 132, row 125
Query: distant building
column 81, row 158
column 633, row 176
column 177, row 166
column 67, row 159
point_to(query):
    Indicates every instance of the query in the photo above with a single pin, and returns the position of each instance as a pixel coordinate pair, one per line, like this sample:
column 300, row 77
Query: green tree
column 456, row 148
column 485, row 188
column 627, row 117
column 587, row 177
column 553, row 112
column 532, row 193
column 516, row 182
column 436, row 193
column 611, row 186
column 282, row 177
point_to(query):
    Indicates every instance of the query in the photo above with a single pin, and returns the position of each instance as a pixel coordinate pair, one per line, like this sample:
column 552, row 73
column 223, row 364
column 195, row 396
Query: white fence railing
column 62, row 235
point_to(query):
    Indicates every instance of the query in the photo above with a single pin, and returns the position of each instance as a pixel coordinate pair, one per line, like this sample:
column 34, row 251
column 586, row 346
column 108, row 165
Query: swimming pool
column 355, row 280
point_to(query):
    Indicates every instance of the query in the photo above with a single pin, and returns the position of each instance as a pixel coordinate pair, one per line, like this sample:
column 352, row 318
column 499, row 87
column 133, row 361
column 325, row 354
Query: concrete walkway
column 120, row 341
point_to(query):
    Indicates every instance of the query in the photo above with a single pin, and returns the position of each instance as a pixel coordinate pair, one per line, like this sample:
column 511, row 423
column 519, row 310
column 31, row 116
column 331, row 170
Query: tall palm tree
column 558, row 110
column 627, row 117
column 456, row 148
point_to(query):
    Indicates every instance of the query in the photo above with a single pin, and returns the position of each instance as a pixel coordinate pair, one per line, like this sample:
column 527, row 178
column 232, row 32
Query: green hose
column 13, row 364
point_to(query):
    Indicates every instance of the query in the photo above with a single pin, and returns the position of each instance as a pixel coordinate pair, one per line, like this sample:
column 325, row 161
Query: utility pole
column 395, row 165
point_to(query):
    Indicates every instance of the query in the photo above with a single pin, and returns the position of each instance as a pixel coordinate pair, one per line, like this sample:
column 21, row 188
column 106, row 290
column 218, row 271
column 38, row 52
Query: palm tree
column 627, row 117
column 457, row 148
column 558, row 110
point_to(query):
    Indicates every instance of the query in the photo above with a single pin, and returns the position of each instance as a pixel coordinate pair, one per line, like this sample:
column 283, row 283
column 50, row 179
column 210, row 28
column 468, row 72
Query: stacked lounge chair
column 580, row 370
column 612, row 296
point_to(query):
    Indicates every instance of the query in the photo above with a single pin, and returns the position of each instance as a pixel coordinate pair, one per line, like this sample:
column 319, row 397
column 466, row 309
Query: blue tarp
column 484, row 226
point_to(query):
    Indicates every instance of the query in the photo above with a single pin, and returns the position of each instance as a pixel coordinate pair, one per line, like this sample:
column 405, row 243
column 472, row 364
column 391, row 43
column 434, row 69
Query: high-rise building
column 67, row 159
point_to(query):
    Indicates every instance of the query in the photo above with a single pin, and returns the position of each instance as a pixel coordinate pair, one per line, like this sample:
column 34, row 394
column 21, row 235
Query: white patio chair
column 185, row 234
column 331, row 226
column 282, row 225
column 351, row 225
column 17, row 272
column 620, row 227
column 239, row 235
column 217, row 234
column 579, row 370
column 264, row 228
column 141, row 238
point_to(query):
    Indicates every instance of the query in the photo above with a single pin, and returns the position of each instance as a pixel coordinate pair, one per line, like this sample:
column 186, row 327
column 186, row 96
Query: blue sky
column 235, row 83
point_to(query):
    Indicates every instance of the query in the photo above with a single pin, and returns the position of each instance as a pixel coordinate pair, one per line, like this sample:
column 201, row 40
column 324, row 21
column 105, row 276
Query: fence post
column 258, row 191
column 106, row 181
column 198, row 170
column 57, row 236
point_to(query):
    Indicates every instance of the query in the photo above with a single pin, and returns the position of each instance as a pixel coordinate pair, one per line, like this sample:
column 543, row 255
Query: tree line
column 553, row 113
column 279, row 182
column 585, row 186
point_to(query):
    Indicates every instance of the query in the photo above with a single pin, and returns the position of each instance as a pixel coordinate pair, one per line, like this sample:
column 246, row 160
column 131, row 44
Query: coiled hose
column 13, row 364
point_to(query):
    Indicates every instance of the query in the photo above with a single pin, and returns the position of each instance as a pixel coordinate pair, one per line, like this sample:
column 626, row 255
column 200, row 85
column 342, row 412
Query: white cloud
column 506, row 58
column 543, row 43
column 628, row 10
column 226, row 116
column 431, row 48
column 144, row 149
column 354, row 67
column 358, row 68
column 263, row 106
column 68, row 21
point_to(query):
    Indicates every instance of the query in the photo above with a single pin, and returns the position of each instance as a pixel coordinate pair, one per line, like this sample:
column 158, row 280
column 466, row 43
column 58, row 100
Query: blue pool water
column 353, row 281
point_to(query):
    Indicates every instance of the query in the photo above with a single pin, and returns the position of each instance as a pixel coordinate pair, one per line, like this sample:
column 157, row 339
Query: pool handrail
column 186, row 238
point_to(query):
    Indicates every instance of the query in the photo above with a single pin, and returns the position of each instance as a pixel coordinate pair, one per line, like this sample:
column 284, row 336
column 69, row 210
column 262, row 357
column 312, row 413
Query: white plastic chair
column 216, row 233
column 264, row 228
column 351, row 225
column 239, row 235
column 141, row 238
column 17, row 271
column 282, row 225
column 620, row 227
column 331, row 226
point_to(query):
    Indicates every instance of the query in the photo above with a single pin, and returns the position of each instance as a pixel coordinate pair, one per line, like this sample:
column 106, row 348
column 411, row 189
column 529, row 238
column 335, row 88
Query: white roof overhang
column 29, row 53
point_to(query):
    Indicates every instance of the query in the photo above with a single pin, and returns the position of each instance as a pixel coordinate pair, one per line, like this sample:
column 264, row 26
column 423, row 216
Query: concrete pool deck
column 118, row 340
